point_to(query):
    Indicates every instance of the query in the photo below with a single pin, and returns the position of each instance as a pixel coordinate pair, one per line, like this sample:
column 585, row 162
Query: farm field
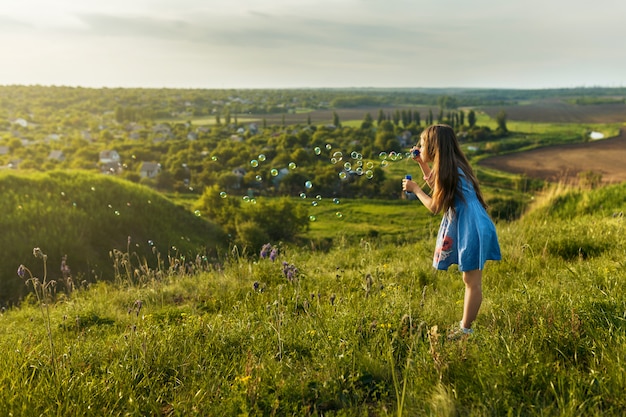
column 565, row 162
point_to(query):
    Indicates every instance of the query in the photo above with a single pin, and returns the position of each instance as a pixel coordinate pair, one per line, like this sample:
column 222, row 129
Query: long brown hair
column 442, row 148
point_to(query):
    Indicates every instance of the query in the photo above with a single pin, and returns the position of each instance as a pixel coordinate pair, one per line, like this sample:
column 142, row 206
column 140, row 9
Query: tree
column 336, row 121
column 501, row 121
column 381, row 117
column 368, row 122
column 471, row 118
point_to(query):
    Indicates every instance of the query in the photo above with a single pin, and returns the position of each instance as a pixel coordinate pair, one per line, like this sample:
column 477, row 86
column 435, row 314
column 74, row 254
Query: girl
column 467, row 236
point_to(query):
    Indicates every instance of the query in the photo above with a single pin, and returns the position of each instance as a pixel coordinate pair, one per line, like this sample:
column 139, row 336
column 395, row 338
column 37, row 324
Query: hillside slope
column 86, row 216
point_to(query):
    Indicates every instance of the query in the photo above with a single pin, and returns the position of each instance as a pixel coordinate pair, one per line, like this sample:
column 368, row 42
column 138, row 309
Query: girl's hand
column 416, row 154
column 410, row 186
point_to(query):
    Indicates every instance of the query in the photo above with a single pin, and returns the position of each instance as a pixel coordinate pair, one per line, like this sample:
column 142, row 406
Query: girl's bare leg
column 473, row 296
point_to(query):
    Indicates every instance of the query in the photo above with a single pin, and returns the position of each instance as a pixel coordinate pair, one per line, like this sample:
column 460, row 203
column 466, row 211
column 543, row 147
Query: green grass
column 359, row 331
column 86, row 216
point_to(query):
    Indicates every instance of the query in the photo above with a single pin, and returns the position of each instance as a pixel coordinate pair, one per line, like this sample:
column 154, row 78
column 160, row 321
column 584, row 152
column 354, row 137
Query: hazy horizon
column 254, row 44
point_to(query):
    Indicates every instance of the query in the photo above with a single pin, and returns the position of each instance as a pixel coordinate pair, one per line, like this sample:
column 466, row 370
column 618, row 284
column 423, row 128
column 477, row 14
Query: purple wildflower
column 65, row 270
column 265, row 250
column 21, row 271
column 273, row 254
column 290, row 271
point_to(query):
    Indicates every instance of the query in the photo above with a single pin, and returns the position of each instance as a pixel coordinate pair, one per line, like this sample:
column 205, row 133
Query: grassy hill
column 87, row 216
column 357, row 330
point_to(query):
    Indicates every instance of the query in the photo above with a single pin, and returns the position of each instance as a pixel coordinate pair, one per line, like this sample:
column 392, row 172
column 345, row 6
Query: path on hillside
column 564, row 162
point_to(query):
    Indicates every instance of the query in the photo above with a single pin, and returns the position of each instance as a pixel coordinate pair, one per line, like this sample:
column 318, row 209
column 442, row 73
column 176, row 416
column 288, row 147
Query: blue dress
column 467, row 237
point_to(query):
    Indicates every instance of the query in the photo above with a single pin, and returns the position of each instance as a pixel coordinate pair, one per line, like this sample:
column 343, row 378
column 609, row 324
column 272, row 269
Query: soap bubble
column 246, row 198
column 369, row 165
column 314, row 203
column 317, row 150
column 312, row 218
column 354, row 155
column 259, row 178
column 254, row 163
column 262, row 158
column 333, row 160
column 329, row 146
column 223, row 194
column 343, row 175
column 347, row 166
column 336, row 200
column 197, row 213
column 117, row 213
column 274, row 172
column 382, row 155
column 150, row 243
column 384, row 163
column 359, row 171
column 339, row 215
column 292, row 165
column 319, row 197
column 369, row 174
column 302, row 196
column 214, row 158
column 308, row 184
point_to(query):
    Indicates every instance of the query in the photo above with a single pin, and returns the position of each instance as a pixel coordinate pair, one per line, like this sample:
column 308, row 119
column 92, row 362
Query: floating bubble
column 343, row 175
column 246, row 198
column 319, row 197
column 339, row 214
column 333, row 160
column 384, row 163
column 117, row 213
column 369, row 174
column 393, row 156
column 312, row 218
column 382, row 155
column 254, row 163
column 314, row 203
column 336, row 200
column 347, row 166
column 63, row 193
column 223, row 194
column 93, row 188
column 274, row 172
column 308, row 185
column 292, row 165
column 302, row 196
column 150, row 243
column 359, row 163
column 110, row 206
column 359, row 171
column 214, row 158
column 354, row 155
column 259, row 178
column 197, row 213
column 252, row 201
column 190, row 188
column 317, row 150
column 329, row 146
column 262, row 158
column 369, row 165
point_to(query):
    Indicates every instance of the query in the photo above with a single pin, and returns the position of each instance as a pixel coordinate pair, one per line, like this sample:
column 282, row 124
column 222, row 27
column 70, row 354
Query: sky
column 313, row 43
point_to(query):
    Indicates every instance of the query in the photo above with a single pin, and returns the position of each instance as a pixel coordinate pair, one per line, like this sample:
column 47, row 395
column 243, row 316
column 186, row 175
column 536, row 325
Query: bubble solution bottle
column 409, row 195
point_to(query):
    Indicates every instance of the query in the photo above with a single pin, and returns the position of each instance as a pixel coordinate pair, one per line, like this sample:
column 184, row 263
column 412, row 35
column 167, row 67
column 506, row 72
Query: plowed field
column 564, row 162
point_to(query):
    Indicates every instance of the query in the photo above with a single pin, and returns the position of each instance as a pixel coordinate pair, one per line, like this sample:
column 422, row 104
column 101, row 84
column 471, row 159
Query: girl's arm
column 427, row 173
column 411, row 186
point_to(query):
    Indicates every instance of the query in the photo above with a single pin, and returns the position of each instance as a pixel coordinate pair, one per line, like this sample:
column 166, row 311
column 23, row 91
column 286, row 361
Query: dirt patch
column 564, row 162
